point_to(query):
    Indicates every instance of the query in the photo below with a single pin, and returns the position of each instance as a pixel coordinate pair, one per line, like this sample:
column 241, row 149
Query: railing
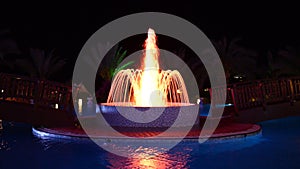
column 263, row 92
column 243, row 96
column 38, row 92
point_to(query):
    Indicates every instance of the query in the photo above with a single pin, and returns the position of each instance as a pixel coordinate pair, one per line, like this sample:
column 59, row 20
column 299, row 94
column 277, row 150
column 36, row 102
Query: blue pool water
column 204, row 108
column 277, row 147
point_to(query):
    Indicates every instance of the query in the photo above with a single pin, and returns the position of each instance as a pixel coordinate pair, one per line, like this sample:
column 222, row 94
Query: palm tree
column 41, row 64
column 283, row 63
column 5, row 64
column 8, row 48
column 109, row 67
column 7, row 43
column 112, row 66
column 235, row 58
column 195, row 65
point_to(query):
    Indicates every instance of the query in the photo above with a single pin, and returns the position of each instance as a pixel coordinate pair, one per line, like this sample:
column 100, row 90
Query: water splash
column 148, row 86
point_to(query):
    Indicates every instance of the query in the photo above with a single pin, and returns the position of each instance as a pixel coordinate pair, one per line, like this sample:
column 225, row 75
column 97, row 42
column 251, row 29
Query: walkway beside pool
column 275, row 111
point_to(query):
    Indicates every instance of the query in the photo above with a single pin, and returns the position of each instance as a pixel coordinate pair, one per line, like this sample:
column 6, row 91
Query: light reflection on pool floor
column 277, row 147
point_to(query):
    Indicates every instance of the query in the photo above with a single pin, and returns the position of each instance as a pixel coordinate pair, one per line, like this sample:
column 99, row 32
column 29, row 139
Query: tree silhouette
column 8, row 48
column 283, row 63
column 236, row 59
column 41, row 64
column 109, row 66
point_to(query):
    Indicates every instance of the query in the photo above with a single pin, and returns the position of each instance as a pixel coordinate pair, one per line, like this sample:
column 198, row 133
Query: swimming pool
column 277, row 147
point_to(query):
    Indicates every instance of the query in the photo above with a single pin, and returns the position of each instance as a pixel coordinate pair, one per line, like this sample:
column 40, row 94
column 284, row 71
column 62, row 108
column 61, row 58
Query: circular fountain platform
column 230, row 131
column 175, row 115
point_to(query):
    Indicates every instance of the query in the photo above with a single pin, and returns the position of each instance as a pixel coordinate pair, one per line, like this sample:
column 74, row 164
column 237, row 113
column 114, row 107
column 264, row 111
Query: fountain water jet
column 172, row 86
column 164, row 92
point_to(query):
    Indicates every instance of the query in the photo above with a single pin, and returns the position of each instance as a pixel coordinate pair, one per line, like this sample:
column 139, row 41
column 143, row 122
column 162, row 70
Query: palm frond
column 38, row 58
column 122, row 67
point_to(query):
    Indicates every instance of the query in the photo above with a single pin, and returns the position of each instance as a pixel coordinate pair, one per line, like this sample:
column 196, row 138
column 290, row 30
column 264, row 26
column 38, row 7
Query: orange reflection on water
column 149, row 161
column 144, row 158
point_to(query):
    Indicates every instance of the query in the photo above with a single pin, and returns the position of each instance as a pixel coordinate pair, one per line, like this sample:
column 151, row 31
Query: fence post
column 263, row 95
column 292, row 92
column 232, row 92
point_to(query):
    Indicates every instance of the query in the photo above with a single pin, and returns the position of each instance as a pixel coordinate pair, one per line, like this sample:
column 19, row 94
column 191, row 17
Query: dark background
column 67, row 27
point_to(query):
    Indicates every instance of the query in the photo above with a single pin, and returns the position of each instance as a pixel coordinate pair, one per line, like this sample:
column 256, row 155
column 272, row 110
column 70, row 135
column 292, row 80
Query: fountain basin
column 117, row 115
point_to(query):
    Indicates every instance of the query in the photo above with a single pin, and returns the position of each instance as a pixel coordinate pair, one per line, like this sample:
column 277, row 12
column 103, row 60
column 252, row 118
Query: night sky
column 67, row 28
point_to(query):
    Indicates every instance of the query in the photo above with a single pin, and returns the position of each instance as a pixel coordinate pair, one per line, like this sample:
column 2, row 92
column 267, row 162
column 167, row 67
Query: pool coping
column 49, row 133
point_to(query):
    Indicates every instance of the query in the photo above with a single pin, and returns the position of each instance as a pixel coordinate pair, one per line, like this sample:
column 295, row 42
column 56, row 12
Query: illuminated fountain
column 149, row 96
